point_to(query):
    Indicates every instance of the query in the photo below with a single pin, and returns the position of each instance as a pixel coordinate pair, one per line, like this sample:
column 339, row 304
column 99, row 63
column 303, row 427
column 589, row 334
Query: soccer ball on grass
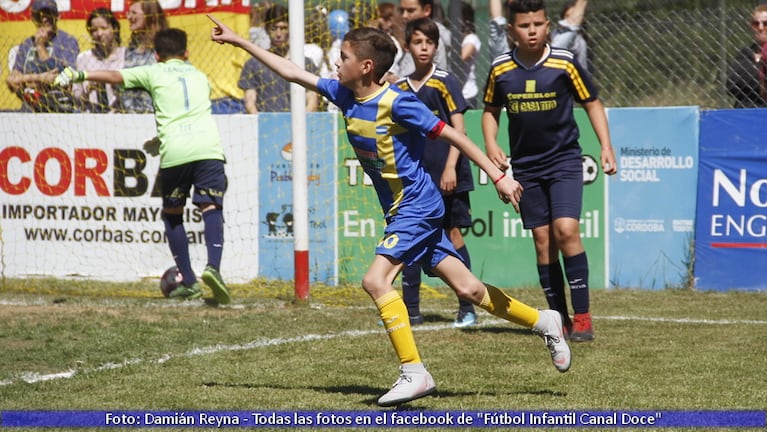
column 170, row 280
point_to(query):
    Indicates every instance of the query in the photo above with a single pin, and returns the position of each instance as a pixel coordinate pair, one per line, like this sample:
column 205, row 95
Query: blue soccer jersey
column 442, row 94
column 388, row 131
column 539, row 104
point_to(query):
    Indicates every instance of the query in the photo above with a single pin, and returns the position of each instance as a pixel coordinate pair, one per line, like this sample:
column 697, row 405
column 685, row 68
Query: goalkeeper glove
column 69, row 76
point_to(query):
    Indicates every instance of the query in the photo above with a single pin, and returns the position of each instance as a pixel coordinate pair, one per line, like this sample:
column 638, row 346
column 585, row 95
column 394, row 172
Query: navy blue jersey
column 442, row 94
column 539, row 104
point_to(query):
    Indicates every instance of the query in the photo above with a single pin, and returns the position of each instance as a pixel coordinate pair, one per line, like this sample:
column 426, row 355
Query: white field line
column 34, row 377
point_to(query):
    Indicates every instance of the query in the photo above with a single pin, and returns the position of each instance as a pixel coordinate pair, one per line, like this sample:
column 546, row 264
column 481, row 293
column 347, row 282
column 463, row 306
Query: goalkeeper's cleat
column 549, row 327
column 213, row 280
column 183, row 292
column 69, row 76
column 409, row 386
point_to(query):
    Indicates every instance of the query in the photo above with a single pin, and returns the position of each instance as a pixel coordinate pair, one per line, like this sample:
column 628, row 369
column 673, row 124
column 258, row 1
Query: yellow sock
column 395, row 318
column 501, row 305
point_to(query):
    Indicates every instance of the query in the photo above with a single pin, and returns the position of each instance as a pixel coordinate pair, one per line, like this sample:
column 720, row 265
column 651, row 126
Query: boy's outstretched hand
column 221, row 33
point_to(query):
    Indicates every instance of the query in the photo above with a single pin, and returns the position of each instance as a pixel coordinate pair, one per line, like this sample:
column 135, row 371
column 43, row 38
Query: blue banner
column 731, row 227
column 652, row 198
column 372, row 419
column 275, row 196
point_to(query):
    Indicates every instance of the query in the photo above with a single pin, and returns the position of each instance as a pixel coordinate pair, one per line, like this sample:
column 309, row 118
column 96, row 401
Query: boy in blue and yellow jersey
column 387, row 129
column 190, row 152
column 449, row 170
column 538, row 84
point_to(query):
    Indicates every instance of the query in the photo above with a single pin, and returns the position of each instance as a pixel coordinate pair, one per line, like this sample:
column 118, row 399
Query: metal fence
column 666, row 54
column 650, row 53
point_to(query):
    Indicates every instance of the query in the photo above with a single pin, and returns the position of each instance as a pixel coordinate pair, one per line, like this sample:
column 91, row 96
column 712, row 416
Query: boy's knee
column 472, row 292
column 372, row 285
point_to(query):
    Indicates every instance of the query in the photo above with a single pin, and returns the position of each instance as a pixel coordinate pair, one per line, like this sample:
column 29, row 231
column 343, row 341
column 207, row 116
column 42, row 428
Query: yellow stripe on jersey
column 446, row 96
column 385, row 146
column 496, row 72
column 575, row 77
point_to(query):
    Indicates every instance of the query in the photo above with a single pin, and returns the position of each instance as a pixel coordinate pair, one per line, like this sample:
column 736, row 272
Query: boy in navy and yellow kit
column 448, row 168
column 538, row 85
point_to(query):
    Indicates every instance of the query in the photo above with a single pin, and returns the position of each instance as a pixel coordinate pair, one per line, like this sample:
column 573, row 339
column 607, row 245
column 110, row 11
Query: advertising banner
column 275, row 196
column 79, row 198
column 731, row 221
column 652, row 198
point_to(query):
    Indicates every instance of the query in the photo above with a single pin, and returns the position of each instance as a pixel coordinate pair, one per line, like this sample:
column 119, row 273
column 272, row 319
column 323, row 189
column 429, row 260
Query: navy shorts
column 553, row 197
column 457, row 210
column 412, row 240
column 207, row 177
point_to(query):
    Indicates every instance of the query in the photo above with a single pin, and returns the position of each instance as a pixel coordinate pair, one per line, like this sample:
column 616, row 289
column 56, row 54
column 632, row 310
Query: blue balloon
column 338, row 23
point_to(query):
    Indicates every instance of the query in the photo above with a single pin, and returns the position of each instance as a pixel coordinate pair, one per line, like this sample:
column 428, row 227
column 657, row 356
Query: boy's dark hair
column 524, row 6
column 425, row 25
column 275, row 14
column 170, row 43
column 369, row 43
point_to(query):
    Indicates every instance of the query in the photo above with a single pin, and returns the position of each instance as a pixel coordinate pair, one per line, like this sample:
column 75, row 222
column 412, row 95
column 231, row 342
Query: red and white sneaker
column 583, row 331
column 411, row 385
column 549, row 327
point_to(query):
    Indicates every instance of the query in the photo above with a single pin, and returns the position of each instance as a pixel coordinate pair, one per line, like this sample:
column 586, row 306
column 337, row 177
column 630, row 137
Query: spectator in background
column 498, row 38
column 145, row 18
column 570, row 32
column 763, row 72
column 39, row 59
column 106, row 54
column 257, row 33
column 264, row 90
column 414, row 9
column 470, row 47
column 318, row 39
column 743, row 72
column 389, row 21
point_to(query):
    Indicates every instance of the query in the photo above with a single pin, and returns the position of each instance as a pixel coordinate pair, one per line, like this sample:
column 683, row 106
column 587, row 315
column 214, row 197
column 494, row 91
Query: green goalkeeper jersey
column 181, row 99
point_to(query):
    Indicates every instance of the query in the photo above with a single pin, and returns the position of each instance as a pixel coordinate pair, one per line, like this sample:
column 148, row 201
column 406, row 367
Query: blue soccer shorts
column 457, row 210
column 421, row 240
column 552, row 197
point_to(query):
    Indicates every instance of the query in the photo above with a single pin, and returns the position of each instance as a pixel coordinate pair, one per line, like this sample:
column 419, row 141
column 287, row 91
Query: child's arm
column 280, row 65
column 449, row 179
column 490, row 122
column 69, row 76
column 509, row 190
column 598, row 118
column 105, row 76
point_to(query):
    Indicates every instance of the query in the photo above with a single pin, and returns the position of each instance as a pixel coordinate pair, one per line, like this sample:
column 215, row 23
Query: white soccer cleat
column 409, row 386
column 549, row 327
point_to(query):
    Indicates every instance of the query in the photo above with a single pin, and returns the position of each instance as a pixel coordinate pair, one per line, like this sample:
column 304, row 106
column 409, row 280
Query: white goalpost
column 298, row 129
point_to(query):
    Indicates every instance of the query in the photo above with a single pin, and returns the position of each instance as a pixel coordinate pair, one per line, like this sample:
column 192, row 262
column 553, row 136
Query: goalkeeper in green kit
column 190, row 152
